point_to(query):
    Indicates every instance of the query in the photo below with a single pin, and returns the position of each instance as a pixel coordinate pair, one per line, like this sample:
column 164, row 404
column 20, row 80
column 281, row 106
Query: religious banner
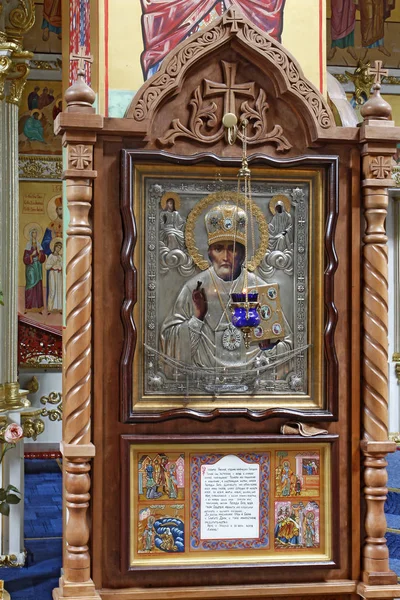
column 262, row 503
column 191, row 260
column 40, row 285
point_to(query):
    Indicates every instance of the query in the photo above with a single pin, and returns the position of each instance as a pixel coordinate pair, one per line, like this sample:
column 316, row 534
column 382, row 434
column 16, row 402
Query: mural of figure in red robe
column 34, row 258
column 165, row 24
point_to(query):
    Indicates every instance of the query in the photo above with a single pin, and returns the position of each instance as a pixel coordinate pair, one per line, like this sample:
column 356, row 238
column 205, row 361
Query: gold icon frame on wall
column 134, row 501
column 141, row 290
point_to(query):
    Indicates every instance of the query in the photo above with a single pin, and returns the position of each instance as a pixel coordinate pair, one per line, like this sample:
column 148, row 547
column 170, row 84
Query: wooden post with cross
column 79, row 125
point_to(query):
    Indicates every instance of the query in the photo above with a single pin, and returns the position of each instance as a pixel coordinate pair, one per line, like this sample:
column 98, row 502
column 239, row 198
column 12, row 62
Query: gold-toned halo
column 51, row 207
column 232, row 198
column 279, row 198
column 28, row 228
column 55, row 241
column 36, row 110
column 175, row 197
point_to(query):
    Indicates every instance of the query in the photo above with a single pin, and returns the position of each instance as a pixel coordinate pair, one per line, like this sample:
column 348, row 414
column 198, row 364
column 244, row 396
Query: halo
column 55, row 241
column 310, row 515
column 279, row 198
column 51, row 207
column 175, row 197
column 28, row 228
column 217, row 198
column 36, row 110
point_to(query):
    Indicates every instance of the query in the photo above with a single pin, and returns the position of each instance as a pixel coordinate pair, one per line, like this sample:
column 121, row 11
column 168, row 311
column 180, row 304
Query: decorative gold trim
column 46, row 65
column 396, row 175
column 11, row 397
column 5, row 65
column 32, row 424
column 10, row 560
column 395, row 437
column 17, row 83
column 314, row 399
column 33, row 385
column 40, row 167
column 22, row 19
column 243, row 556
column 54, row 414
column 216, row 198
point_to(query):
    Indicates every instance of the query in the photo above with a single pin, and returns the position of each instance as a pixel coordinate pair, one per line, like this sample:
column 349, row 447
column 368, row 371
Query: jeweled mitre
column 226, row 223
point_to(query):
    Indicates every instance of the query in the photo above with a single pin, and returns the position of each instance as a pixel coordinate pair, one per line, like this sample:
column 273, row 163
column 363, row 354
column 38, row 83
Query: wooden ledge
column 383, row 447
column 237, row 592
column 77, row 450
column 378, row 591
column 82, row 121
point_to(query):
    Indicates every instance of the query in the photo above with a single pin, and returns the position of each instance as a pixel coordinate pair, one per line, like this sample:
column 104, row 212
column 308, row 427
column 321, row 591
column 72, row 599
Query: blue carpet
column 392, row 510
column 43, row 530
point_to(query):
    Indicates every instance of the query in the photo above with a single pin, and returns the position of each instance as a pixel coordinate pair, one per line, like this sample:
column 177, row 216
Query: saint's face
column 224, row 259
column 59, row 211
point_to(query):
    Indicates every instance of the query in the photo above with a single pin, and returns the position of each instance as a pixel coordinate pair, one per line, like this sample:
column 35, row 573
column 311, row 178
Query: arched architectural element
column 247, row 43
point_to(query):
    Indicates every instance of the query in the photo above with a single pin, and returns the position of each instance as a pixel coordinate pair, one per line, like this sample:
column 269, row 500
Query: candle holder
column 245, row 316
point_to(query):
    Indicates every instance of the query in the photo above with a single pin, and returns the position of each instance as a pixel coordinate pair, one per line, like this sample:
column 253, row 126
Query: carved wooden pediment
column 232, row 66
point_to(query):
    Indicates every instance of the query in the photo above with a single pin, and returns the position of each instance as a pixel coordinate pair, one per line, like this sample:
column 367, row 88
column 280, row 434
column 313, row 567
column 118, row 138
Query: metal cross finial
column 82, row 58
column 378, row 72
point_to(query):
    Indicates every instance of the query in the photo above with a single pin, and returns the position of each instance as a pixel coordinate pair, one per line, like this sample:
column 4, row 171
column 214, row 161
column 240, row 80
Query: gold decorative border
column 266, row 556
column 31, row 167
column 314, row 399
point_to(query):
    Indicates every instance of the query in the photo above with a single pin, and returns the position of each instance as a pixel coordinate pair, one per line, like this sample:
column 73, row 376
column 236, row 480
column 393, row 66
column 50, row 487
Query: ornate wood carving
column 204, row 115
column 376, row 156
column 77, row 448
column 233, row 26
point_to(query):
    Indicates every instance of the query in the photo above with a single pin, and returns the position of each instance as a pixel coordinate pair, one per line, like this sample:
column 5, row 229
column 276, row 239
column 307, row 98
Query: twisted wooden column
column 78, row 125
column 378, row 135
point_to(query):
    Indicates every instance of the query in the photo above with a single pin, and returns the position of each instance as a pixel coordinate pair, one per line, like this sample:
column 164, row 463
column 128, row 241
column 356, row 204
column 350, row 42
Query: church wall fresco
column 40, row 285
column 40, row 277
column 281, row 18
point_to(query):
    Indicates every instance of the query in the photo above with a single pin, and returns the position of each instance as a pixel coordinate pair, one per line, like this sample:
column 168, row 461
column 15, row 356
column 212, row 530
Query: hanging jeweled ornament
column 244, row 306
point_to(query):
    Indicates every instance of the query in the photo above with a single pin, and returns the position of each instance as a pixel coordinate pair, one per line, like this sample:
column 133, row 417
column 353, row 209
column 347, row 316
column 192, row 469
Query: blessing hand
column 200, row 302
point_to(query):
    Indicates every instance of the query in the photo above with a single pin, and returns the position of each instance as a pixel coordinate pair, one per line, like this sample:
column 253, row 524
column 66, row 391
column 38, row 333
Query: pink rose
column 13, row 433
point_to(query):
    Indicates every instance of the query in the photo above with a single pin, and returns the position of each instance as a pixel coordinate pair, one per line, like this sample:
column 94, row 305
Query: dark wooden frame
column 127, row 440
column 330, row 412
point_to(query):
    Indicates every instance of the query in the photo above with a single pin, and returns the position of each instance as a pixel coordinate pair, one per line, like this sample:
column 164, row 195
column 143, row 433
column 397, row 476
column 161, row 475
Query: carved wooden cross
column 229, row 89
column 378, row 72
column 81, row 57
column 233, row 16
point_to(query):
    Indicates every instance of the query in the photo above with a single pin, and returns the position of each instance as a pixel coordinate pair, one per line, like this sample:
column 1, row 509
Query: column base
column 75, row 591
column 378, row 591
column 12, row 398
column 377, row 578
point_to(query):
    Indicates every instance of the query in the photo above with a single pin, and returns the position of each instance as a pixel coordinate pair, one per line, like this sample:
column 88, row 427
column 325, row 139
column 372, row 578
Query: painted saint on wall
column 360, row 30
column 40, row 288
column 166, row 24
column 34, row 258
